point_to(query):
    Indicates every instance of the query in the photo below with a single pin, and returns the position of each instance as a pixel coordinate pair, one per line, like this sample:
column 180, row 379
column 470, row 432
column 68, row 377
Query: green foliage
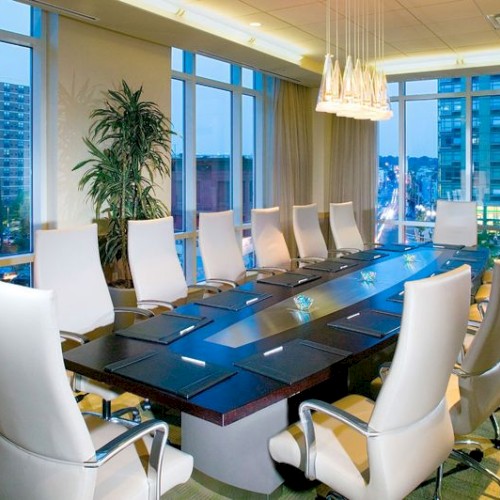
column 129, row 143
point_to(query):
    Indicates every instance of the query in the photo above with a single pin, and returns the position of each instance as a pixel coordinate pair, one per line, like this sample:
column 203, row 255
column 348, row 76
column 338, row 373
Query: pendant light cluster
column 360, row 91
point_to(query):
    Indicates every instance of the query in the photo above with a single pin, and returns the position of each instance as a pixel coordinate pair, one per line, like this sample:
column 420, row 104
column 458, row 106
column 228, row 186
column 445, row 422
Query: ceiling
column 420, row 35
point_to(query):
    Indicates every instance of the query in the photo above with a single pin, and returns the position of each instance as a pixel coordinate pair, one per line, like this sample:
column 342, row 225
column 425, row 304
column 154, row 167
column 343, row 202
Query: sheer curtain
column 353, row 169
column 292, row 153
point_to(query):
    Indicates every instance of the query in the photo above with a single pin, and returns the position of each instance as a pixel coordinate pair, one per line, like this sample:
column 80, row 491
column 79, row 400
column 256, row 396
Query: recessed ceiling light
column 255, row 24
column 494, row 19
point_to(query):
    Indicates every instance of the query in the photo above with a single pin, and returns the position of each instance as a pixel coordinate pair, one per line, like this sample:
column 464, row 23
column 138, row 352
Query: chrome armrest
column 153, row 302
column 271, row 270
column 207, row 288
column 221, row 281
column 134, row 310
column 129, row 437
column 459, row 372
column 347, row 250
column 305, row 413
column 482, row 306
column 372, row 245
column 79, row 339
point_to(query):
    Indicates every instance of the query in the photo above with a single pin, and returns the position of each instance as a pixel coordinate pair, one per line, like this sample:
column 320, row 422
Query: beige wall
column 83, row 62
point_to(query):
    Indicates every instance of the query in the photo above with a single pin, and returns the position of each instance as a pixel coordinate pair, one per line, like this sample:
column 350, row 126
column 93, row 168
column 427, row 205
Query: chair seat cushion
column 124, row 476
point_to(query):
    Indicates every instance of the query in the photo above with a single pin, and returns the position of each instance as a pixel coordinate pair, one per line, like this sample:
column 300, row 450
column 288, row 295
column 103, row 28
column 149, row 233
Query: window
column 215, row 152
column 20, row 45
column 440, row 162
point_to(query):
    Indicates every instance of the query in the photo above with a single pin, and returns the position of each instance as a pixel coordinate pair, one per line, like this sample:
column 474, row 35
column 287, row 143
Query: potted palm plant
column 129, row 143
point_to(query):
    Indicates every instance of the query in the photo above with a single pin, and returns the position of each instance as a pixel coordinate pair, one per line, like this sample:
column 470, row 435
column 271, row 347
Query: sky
column 14, row 60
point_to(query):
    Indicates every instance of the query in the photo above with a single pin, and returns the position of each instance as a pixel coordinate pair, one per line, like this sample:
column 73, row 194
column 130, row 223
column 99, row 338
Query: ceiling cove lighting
column 201, row 20
column 360, row 90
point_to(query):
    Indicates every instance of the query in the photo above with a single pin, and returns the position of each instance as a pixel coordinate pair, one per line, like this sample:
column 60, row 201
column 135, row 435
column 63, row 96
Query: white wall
column 86, row 61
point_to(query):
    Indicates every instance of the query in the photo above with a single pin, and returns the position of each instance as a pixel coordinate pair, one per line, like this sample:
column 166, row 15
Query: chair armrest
column 265, row 270
column 372, row 245
column 347, row 250
column 482, row 306
column 305, row 413
column 459, row 372
column 221, row 281
column 207, row 288
column 129, row 437
column 134, row 310
column 74, row 337
column 152, row 302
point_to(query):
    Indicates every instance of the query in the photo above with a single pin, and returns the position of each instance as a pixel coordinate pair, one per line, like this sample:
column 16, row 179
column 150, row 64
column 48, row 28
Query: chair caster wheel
column 477, row 455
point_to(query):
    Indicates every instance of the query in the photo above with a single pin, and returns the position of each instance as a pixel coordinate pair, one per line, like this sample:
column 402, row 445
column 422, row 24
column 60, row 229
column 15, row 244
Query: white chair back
column 480, row 393
column 154, row 264
column 41, row 427
column 67, row 261
column 307, row 231
column 456, row 223
column 269, row 242
column 411, row 410
column 220, row 249
column 343, row 225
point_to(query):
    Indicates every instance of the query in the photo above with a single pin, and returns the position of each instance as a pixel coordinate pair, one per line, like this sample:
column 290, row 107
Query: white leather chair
column 345, row 232
column 308, row 236
column 385, row 449
column 220, row 250
column 456, row 223
column 67, row 261
column 157, row 273
column 269, row 243
column 474, row 390
column 48, row 449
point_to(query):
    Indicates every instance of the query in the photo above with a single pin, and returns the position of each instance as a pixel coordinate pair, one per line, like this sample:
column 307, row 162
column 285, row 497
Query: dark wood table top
column 336, row 295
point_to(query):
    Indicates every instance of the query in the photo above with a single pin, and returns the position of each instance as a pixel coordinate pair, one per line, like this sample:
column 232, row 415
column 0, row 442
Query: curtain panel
column 353, row 169
column 293, row 153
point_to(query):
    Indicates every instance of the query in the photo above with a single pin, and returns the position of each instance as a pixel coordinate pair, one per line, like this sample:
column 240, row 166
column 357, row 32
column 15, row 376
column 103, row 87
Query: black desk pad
column 330, row 266
column 476, row 265
column 398, row 297
column 293, row 361
column 397, row 247
column 370, row 322
column 171, row 372
column 288, row 279
column 164, row 328
column 444, row 245
column 365, row 255
column 233, row 299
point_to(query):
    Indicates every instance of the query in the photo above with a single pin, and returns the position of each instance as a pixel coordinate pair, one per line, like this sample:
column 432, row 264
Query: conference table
column 237, row 364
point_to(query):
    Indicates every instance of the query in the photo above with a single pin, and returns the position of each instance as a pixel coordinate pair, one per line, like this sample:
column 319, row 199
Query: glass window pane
column 486, row 82
column 248, row 150
column 15, row 149
column 214, row 69
column 393, row 89
column 15, row 17
column 419, row 87
column 213, row 149
column 19, row 274
column 388, row 178
column 451, row 148
column 247, row 78
column 247, row 249
column 486, row 165
column 178, row 164
column 422, row 159
column 451, row 85
column 177, row 59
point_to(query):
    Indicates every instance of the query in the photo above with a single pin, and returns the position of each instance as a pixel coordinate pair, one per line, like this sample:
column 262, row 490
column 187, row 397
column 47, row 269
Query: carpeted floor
column 457, row 485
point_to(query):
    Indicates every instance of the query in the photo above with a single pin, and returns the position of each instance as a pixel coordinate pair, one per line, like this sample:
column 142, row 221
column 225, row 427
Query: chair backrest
column 308, row 235
column 154, row 264
column 220, row 250
column 343, row 225
column 269, row 242
column 480, row 393
column 456, row 223
column 41, row 426
column 411, row 411
column 67, row 261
